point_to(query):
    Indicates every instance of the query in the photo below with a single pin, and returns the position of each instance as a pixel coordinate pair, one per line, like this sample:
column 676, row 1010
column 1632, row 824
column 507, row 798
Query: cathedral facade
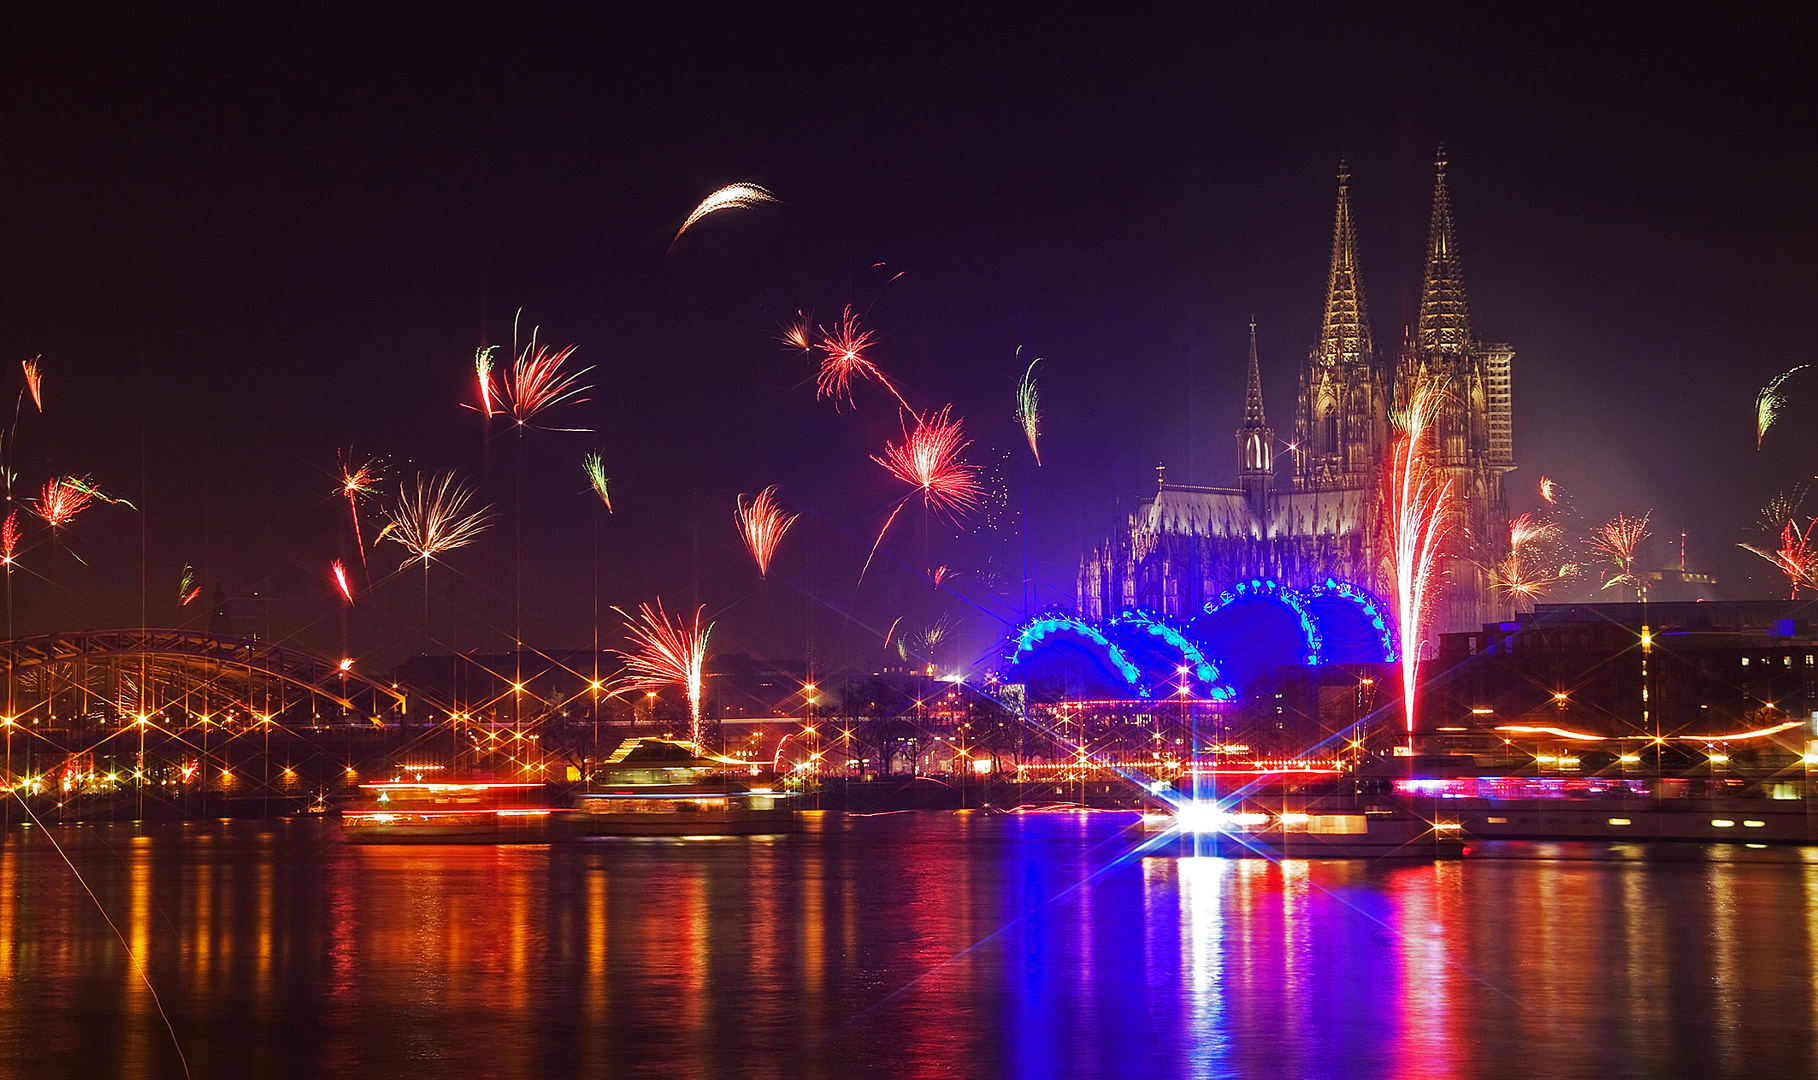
column 1308, row 509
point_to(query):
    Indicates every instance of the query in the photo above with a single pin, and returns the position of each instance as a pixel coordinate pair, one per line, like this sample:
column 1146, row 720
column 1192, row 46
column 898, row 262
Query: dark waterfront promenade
column 923, row 944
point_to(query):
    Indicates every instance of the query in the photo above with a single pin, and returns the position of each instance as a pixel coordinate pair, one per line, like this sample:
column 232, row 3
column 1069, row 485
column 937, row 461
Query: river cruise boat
column 1313, row 829
column 662, row 787
column 449, row 812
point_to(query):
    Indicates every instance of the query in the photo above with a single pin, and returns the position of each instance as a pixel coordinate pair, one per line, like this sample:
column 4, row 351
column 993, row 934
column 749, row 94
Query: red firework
column 355, row 483
column 340, row 572
column 845, row 348
column 34, row 381
column 1419, row 501
column 64, row 497
column 762, row 524
column 9, row 540
column 1618, row 541
column 669, row 653
column 535, row 382
column 1794, row 557
column 928, row 459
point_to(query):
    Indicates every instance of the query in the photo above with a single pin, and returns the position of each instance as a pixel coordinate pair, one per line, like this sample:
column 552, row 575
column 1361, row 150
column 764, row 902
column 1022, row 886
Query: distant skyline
column 244, row 241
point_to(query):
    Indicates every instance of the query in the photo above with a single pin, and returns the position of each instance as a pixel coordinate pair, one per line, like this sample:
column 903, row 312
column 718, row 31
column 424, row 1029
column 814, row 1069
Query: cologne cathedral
column 1306, row 511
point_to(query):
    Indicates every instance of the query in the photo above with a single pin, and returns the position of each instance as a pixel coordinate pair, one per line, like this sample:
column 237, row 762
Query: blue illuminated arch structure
column 1140, row 630
column 1289, row 597
column 1354, row 623
column 1030, row 637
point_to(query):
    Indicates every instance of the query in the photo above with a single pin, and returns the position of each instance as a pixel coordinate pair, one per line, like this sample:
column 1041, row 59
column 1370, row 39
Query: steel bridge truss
column 145, row 670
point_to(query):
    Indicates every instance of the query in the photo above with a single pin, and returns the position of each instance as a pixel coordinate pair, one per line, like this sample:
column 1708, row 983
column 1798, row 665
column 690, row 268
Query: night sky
column 243, row 241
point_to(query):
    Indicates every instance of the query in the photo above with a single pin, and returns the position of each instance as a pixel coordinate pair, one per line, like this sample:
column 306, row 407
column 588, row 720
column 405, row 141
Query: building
column 1307, row 511
column 1653, row 678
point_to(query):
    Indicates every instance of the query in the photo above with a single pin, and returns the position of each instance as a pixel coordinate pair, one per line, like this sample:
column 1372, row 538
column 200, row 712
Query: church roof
column 1223, row 512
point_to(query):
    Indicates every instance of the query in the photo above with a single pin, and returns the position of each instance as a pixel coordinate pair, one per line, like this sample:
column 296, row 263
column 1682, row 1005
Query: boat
column 663, row 787
column 449, row 812
column 1309, row 829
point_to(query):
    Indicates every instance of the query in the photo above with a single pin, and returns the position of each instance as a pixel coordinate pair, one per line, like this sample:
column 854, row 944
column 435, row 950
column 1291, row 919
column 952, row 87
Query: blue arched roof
column 1143, row 625
column 1289, row 597
column 1354, row 623
column 1030, row 636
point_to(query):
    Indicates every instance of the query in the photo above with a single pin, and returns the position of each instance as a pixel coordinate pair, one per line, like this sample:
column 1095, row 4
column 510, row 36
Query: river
column 918, row 944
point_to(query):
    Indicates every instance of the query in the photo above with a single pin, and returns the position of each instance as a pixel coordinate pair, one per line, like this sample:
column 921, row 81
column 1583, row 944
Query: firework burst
column 434, row 519
column 796, row 333
column 1549, row 491
column 1532, row 564
column 594, row 465
column 668, row 653
column 9, row 540
column 928, row 460
column 762, row 524
column 187, row 589
column 356, row 483
column 34, row 381
column 730, row 197
column 844, row 348
column 1771, row 402
column 64, row 497
column 1028, row 410
column 339, row 570
column 1794, row 556
column 1419, row 504
column 1618, row 540
column 536, row 382
column 482, row 370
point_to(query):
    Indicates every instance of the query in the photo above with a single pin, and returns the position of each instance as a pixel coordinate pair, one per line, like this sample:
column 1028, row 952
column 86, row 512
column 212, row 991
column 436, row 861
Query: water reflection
column 908, row 945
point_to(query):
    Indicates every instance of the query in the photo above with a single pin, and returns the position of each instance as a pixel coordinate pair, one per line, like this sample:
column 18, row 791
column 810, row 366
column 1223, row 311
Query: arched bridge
column 148, row 669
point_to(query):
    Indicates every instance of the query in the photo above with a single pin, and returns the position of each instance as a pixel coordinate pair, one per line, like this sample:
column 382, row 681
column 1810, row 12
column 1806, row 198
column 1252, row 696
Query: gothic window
column 1329, row 431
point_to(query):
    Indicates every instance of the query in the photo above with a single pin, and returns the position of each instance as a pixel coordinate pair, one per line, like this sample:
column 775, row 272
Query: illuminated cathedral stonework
column 1309, row 508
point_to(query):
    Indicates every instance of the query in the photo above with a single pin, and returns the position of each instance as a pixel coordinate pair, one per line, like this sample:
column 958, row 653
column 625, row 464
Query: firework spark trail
column 1618, row 540
column 888, row 633
column 355, row 483
column 1532, row 564
column 9, row 540
column 1549, row 490
column 1794, row 557
column 668, row 653
column 434, row 519
column 535, row 382
column 339, row 570
column 1526, row 532
column 795, row 333
column 34, row 381
column 762, row 524
column 187, row 589
column 844, row 347
column 1419, row 504
column 64, row 497
column 1771, row 402
column 482, row 369
column 928, row 459
column 1028, row 410
column 594, row 465
column 730, row 197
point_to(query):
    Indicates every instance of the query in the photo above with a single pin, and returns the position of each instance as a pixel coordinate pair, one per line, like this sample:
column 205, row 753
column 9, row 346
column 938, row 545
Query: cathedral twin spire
column 1344, row 334
column 1444, row 326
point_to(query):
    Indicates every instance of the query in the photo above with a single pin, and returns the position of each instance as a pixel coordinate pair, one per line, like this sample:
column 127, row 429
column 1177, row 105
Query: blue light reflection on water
column 912, row 945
